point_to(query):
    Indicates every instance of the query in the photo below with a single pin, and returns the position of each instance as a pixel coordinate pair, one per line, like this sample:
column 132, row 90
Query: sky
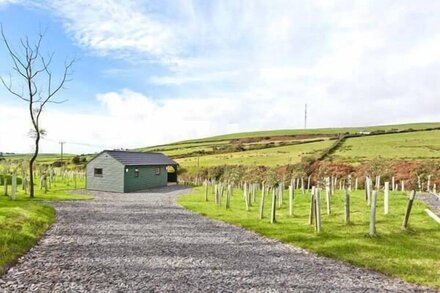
column 154, row 72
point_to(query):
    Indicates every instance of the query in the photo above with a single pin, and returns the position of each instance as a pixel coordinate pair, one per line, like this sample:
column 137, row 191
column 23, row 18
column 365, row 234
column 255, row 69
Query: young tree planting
column 35, row 83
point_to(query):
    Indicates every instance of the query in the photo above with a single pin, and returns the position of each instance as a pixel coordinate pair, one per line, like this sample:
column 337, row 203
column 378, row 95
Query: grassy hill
column 419, row 141
column 42, row 158
column 274, row 156
column 316, row 131
column 421, row 145
column 282, row 147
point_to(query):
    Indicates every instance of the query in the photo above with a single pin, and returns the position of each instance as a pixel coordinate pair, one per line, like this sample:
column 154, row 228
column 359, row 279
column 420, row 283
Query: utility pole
column 305, row 117
column 62, row 144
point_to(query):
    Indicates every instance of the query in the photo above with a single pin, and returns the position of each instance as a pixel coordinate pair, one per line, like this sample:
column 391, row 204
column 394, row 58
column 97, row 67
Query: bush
column 76, row 160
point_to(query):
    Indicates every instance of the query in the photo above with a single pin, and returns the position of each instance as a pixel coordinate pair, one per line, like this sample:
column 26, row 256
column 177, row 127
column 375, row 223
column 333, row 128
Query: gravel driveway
column 145, row 242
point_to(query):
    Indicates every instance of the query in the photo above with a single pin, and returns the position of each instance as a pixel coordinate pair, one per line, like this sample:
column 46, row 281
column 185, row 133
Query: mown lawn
column 412, row 255
column 24, row 220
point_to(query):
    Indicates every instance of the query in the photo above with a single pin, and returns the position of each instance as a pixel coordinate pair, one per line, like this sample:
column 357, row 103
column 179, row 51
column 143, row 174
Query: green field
column 315, row 131
column 23, row 221
column 42, row 158
column 413, row 145
column 282, row 147
column 412, row 255
column 268, row 157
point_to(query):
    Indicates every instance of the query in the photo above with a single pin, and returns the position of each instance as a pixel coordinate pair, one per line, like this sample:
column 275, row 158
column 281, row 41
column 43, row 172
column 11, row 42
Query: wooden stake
column 273, row 207
column 312, row 206
column 228, row 197
column 14, row 187
column 347, row 208
column 6, row 186
column 373, row 214
column 318, row 211
column 302, row 185
column 280, row 195
column 386, row 198
column 368, row 190
column 327, row 198
column 246, row 199
column 408, row 209
column 263, row 193
column 290, row 200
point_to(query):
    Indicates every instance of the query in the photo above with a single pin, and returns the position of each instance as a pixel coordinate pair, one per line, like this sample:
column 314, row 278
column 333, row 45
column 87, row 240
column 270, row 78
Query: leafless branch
column 28, row 65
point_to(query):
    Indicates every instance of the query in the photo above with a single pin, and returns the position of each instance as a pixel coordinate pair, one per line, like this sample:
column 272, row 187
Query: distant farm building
column 364, row 132
column 125, row 171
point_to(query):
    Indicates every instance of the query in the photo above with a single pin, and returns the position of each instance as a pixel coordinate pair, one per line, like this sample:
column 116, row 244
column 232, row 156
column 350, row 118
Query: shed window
column 98, row 172
column 136, row 172
column 157, row 170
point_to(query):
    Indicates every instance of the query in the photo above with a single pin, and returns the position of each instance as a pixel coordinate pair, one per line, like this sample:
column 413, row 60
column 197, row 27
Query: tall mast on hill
column 305, row 117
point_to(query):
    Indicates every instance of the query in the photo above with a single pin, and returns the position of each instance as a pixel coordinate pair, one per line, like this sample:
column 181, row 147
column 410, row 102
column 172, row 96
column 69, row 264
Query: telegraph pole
column 305, row 117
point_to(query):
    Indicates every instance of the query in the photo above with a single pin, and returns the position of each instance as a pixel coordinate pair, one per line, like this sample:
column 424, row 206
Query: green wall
column 147, row 178
column 112, row 178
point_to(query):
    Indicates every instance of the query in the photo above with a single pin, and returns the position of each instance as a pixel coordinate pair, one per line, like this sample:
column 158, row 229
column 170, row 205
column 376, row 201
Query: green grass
column 24, row 220
column 314, row 131
column 22, row 223
column 413, row 255
column 268, row 157
column 411, row 145
column 42, row 158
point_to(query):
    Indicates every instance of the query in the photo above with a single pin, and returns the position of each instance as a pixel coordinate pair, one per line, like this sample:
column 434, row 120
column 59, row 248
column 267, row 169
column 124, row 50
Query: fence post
column 318, row 211
column 228, row 197
column 273, row 207
column 327, row 197
column 302, row 185
column 312, row 206
column 14, row 187
column 347, row 207
column 408, row 209
column 386, row 198
column 373, row 213
column 263, row 191
column 290, row 200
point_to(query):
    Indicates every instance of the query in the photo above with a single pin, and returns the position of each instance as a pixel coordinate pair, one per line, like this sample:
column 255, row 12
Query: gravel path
column 142, row 242
column 433, row 201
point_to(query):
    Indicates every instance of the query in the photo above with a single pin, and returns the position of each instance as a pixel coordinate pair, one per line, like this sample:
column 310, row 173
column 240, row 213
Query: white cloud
column 129, row 119
column 6, row 2
column 116, row 28
column 249, row 65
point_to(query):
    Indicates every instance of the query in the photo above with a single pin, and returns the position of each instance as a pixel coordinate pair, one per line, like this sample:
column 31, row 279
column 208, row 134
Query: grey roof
column 128, row 158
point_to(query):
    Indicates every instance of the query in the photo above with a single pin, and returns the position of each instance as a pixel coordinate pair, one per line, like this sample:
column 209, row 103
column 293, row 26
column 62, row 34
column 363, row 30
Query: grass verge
column 24, row 221
column 413, row 255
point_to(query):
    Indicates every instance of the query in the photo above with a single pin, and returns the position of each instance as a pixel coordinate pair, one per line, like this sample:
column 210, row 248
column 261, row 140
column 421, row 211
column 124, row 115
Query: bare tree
column 38, row 88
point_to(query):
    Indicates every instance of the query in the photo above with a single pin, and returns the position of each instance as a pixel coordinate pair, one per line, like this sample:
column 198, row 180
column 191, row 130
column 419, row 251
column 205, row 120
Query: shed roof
column 128, row 158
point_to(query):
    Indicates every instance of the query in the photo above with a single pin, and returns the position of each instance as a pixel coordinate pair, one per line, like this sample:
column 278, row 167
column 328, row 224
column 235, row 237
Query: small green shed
column 126, row 171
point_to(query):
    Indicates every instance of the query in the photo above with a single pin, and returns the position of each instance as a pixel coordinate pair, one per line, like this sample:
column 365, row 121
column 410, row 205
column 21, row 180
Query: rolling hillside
column 281, row 147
